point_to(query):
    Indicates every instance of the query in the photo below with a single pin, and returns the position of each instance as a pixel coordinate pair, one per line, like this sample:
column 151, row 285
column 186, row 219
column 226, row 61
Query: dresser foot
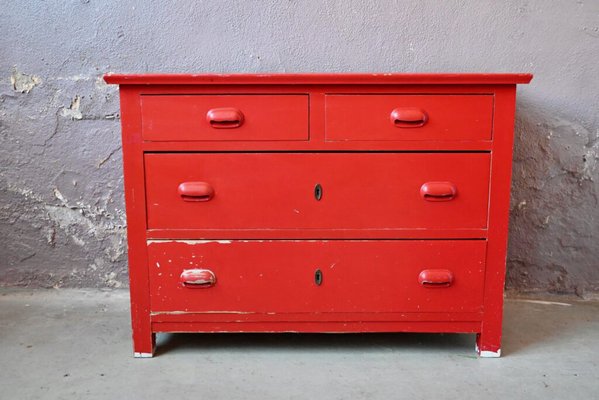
column 488, row 353
column 143, row 355
column 144, row 348
column 486, row 350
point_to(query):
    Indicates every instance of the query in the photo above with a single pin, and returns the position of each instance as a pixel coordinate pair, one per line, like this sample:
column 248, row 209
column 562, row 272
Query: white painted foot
column 490, row 354
column 143, row 355
column 487, row 353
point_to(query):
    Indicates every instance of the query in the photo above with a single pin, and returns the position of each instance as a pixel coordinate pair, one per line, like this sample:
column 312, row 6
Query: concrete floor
column 72, row 344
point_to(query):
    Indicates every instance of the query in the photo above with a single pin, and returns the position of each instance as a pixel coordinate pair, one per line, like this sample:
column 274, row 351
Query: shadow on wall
column 553, row 243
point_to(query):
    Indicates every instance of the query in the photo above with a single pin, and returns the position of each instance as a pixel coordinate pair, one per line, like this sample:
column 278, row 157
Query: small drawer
column 224, row 117
column 269, row 191
column 409, row 117
column 284, row 276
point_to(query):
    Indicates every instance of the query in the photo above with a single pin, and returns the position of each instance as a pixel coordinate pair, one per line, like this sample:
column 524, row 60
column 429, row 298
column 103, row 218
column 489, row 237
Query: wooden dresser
column 317, row 202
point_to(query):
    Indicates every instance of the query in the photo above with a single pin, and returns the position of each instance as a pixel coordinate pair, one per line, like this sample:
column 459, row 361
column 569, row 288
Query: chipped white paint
column 201, row 312
column 72, row 218
column 143, row 355
column 73, row 111
column 190, row 242
column 23, row 83
column 25, row 192
column 490, row 354
column 487, row 353
column 198, row 281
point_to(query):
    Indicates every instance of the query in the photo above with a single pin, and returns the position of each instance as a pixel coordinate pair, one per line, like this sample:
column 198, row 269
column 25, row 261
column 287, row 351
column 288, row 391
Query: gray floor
column 71, row 344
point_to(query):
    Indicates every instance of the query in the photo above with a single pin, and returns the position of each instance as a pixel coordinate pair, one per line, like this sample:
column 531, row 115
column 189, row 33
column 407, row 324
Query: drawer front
column 409, row 117
column 224, row 117
column 272, row 191
column 317, row 276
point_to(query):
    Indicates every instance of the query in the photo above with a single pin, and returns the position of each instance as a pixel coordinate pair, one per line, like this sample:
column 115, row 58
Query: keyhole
column 318, row 192
column 318, row 277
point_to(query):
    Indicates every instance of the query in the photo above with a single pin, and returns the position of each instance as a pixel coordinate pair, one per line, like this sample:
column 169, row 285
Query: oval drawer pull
column 225, row 118
column 438, row 191
column 196, row 191
column 435, row 278
column 408, row 117
column 197, row 278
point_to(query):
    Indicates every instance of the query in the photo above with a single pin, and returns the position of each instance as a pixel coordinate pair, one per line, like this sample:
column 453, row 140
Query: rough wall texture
column 61, row 199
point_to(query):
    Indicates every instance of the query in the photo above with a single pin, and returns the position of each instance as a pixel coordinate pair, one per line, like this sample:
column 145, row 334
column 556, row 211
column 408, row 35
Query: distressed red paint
column 317, row 202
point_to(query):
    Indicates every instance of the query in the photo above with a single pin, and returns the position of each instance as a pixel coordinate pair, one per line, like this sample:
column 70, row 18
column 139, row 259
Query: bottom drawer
column 284, row 276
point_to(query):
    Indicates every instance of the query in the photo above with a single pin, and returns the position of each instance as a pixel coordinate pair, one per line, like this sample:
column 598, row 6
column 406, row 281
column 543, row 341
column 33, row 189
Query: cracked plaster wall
column 62, row 218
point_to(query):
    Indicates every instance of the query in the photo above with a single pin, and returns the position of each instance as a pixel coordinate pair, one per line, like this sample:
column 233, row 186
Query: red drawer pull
column 197, row 278
column 408, row 117
column 438, row 191
column 224, row 118
column 196, row 191
column 435, row 278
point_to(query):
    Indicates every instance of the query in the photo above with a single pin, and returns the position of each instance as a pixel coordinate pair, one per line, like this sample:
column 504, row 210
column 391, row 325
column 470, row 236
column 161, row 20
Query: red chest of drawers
column 317, row 203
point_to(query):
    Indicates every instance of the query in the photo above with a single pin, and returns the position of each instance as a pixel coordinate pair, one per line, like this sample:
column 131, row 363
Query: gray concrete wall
column 61, row 199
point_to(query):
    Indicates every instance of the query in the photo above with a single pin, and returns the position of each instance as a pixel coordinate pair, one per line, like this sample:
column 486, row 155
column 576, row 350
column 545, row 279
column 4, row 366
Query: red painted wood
column 438, row 191
column 279, row 276
column 489, row 339
column 202, row 117
column 317, row 327
column 310, row 79
column 133, row 169
column 314, row 145
column 325, row 88
column 409, row 117
column 209, row 316
column 268, row 191
column 195, row 191
column 436, row 278
column 375, row 187
column 381, row 233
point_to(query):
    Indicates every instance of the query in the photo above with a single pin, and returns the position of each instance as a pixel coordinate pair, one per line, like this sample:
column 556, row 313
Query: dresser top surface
column 320, row 79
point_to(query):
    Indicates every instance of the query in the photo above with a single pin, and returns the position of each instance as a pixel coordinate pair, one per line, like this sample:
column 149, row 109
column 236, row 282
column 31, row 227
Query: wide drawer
column 409, row 117
column 272, row 191
column 224, row 117
column 316, row 276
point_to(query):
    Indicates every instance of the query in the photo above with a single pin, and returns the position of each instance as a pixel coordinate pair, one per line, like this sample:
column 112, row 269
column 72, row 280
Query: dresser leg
column 144, row 345
column 488, row 346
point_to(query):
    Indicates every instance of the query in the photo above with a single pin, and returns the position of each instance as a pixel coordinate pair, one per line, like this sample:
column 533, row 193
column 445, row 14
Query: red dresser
column 317, row 202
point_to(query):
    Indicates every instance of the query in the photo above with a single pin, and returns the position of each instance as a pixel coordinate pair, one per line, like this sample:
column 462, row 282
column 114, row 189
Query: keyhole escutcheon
column 318, row 277
column 318, row 192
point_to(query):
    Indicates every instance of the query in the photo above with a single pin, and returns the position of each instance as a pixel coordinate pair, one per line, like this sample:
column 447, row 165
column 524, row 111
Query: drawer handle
column 196, row 191
column 435, row 278
column 408, row 117
column 197, row 278
column 224, row 118
column 438, row 191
